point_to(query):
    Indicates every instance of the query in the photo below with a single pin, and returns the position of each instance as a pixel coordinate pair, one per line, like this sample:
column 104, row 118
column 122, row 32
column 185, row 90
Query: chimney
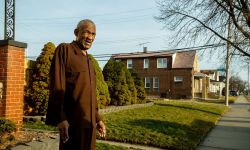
column 145, row 49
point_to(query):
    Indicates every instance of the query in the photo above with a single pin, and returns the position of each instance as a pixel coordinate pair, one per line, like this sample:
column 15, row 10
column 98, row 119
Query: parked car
column 233, row 93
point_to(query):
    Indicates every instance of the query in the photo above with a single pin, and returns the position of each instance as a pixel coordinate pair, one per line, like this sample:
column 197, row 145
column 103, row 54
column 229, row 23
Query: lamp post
column 9, row 20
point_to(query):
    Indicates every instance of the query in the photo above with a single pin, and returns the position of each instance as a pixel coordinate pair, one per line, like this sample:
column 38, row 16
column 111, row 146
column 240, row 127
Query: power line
column 94, row 15
column 103, row 22
column 198, row 48
column 136, row 39
column 132, row 39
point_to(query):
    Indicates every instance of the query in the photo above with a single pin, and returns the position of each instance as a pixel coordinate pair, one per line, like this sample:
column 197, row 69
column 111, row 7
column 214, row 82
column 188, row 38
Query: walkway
column 134, row 146
column 233, row 130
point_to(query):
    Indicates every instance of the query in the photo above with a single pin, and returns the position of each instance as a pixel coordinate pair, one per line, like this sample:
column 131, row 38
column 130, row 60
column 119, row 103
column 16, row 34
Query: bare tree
column 237, row 84
column 206, row 22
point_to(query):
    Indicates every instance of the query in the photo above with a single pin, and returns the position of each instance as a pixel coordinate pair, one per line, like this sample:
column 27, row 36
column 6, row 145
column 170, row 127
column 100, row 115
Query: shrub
column 6, row 129
column 37, row 92
column 115, row 77
column 139, row 85
column 102, row 92
column 6, row 126
column 247, row 97
column 131, row 86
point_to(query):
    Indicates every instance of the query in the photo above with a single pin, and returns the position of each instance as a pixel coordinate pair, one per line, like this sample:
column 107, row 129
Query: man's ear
column 76, row 32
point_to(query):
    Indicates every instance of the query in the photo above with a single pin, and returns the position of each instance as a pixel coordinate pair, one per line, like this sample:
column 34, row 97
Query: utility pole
column 228, row 61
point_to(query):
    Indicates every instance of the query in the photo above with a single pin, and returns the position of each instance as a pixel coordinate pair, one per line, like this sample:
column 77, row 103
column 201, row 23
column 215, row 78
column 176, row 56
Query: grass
column 102, row 146
column 247, row 97
column 172, row 124
column 39, row 125
column 231, row 99
column 166, row 124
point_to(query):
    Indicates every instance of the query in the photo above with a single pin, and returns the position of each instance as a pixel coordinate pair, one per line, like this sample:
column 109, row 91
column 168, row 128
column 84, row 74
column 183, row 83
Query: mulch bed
column 23, row 137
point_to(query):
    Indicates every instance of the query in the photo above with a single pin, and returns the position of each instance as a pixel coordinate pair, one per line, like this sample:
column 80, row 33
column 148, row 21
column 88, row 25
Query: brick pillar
column 12, row 80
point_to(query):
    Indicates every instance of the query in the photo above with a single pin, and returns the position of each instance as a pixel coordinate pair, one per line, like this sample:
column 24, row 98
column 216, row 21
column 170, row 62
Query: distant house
column 216, row 84
column 201, row 85
column 165, row 73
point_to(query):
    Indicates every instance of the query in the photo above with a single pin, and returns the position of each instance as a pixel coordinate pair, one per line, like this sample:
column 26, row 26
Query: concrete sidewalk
column 233, row 130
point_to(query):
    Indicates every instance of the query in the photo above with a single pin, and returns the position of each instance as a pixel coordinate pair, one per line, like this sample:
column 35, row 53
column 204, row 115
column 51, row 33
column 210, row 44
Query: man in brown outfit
column 72, row 103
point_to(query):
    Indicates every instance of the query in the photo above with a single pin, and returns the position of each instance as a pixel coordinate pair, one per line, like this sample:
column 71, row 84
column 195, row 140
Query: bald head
column 82, row 23
column 85, row 33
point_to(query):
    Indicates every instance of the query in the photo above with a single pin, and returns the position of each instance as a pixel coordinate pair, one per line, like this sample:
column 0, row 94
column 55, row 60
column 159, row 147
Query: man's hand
column 63, row 128
column 101, row 129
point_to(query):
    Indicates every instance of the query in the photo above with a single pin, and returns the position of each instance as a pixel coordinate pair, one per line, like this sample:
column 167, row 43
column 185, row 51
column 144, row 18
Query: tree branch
column 233, row 44
column 246, row 11
column 231, row 13
column 240, row 28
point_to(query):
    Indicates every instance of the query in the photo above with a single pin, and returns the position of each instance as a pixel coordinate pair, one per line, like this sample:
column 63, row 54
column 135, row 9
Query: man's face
column 86, row 35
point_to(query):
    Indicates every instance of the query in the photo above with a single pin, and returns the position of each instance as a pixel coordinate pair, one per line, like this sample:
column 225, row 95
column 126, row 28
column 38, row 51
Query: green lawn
column 171, row 124
column 231, row 99
column 102, row 146
column 247, row 97
column 166, row 124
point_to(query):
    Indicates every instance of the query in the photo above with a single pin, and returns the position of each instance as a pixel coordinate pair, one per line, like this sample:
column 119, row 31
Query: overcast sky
column 122, row 26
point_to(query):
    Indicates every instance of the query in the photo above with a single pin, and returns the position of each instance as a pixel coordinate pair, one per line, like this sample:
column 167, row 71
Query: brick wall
column 3, row 77
column 12, row 77
column 182, row 89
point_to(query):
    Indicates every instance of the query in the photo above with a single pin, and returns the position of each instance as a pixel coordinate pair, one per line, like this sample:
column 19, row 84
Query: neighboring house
column 165, row 73
column 216, row 85
column 201, row 85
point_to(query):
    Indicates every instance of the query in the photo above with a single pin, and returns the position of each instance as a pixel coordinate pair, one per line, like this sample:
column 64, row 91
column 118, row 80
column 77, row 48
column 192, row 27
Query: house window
column 178, row 78
column 147, row 82
column 129, row 63
column 146, row 63
column 161, row 62
column 156, row 82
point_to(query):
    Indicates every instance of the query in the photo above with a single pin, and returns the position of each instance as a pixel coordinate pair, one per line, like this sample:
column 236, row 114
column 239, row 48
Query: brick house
column 165, row 73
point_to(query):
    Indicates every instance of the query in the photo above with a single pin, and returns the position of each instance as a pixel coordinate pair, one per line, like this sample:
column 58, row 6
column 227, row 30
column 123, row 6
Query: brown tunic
column 73, row 96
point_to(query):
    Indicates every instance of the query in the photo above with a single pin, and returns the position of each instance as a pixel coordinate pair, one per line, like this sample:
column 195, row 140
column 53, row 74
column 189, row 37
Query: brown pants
column 80, row 139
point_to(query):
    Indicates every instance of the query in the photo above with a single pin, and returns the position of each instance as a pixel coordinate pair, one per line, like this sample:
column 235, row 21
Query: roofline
column 150, row 53
column 183, row 68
